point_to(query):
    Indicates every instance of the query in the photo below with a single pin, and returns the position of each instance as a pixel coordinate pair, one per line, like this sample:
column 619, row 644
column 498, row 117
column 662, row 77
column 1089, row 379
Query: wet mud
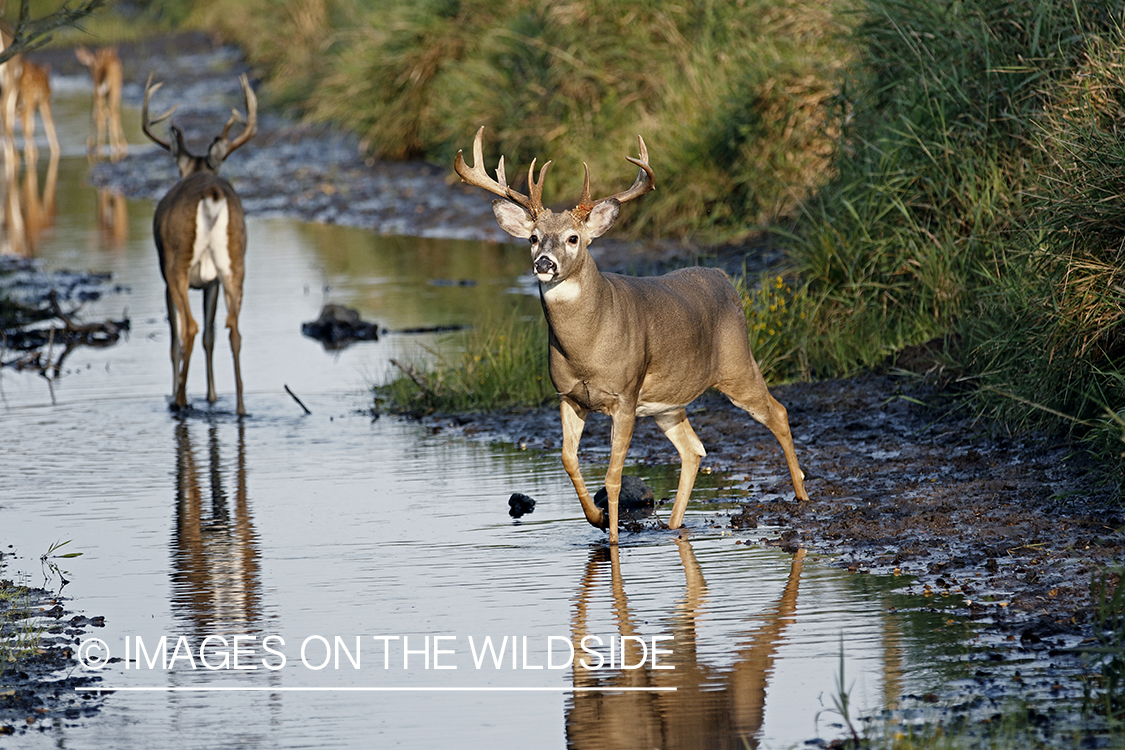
column 44, row 688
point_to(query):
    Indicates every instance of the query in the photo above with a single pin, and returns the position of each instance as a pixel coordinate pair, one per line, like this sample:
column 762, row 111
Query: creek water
column 335, row 580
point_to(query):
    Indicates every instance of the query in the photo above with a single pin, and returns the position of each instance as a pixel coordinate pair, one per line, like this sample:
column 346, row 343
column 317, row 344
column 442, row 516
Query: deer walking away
column 200, row 232
column 630, row 346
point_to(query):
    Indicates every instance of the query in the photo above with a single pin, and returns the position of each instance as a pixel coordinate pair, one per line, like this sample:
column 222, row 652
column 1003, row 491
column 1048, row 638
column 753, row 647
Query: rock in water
column 520, row 504
column 339, row 326
column 635, row 496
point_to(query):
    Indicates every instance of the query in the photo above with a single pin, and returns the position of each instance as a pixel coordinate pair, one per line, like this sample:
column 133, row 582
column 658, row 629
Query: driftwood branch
column 32, row 33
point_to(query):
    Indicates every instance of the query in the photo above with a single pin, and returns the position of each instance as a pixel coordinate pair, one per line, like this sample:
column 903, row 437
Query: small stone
column 520, row 504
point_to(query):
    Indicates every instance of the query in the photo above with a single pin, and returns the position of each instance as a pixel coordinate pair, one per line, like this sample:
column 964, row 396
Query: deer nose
column 543, row 264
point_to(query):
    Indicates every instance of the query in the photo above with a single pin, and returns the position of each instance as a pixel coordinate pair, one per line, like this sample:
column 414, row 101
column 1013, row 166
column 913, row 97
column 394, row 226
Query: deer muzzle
column 545, row 266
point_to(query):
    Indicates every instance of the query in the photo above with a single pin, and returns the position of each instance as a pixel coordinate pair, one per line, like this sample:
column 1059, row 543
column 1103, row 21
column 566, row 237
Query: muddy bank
column 317, row 173
column 45, row 688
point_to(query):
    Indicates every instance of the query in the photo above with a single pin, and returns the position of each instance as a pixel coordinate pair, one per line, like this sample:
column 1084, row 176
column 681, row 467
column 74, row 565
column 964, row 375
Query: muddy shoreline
column 903, row 479
column 45, row 688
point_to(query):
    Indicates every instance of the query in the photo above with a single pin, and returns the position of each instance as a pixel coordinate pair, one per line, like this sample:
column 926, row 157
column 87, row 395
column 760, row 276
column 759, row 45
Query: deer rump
column 694, row 312
column 215, row 229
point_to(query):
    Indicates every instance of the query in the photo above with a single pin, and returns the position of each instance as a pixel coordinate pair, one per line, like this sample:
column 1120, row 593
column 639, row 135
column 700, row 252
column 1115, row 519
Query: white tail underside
column 210, row 257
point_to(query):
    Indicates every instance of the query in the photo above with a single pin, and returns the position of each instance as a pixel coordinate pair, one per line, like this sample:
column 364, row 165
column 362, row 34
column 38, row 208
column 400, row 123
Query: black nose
column 543, row 264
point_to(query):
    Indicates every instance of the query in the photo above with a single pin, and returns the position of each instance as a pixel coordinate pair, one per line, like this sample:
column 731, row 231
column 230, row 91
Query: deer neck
column 576, row 308
column 581, row 288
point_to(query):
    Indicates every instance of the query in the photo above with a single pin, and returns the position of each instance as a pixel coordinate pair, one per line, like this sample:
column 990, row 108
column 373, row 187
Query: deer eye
column 572, row 239
column 534, row 239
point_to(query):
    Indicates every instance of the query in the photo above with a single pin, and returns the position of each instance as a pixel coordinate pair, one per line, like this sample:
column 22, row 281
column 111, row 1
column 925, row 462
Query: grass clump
column 777, row 321
column 932, row 168
column 499, row 364
column 1051, row 336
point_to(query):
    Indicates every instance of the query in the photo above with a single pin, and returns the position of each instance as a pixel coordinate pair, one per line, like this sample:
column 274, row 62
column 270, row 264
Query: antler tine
column 146, row 124
column 535, row 187
column 251, row 121
column 235, row 116
column 646, row 179
column 477, row 176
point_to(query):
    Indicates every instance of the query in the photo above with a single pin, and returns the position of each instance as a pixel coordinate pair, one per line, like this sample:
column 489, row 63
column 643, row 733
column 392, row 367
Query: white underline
column 229, row 689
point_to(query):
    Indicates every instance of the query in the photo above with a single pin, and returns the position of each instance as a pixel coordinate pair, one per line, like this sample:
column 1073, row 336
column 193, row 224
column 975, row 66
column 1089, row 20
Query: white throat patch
column 566, row 290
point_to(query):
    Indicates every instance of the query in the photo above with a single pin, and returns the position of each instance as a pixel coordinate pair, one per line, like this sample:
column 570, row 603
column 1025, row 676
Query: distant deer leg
column 756, row 399
column 232, row 289
column 210, row 304
column 573, row 422
column 688, row 445
column 620, row 436
column 117, row 146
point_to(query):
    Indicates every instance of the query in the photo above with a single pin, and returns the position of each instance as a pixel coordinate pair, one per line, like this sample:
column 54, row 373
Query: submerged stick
column 294, row 395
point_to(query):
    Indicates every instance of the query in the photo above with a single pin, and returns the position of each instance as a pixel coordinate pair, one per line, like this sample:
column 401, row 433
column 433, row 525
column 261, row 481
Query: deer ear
column 602, row 217
column 217, row 152
column 512, row 218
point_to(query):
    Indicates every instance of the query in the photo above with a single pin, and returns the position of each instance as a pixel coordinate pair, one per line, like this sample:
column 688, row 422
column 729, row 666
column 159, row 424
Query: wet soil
column 1005, row 531
column 44, row 688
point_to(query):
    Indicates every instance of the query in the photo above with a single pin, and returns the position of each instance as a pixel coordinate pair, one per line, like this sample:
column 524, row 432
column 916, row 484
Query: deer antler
column 646, row 181
column 146, row 124
column 478, row 177
column 251, row 120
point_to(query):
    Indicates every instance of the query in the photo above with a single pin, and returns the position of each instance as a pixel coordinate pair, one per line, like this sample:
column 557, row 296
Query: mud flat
column 44, row 687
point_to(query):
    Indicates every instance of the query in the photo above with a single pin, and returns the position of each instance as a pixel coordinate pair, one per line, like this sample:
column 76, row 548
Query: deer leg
column 184, row 329
column 757, row 401
column 210, row 303
column 573, row 422
column 94, row 140
column 676, row 428
column 116, row 138
column 232, row 289
column 30, row 150
column 620, row 436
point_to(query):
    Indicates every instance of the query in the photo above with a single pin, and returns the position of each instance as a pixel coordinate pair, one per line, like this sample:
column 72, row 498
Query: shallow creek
column 335, row 580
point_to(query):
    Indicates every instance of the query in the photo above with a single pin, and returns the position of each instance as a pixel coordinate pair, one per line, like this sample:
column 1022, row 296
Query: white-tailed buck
column 628, row 346
column 200, row 232
column 105, row 124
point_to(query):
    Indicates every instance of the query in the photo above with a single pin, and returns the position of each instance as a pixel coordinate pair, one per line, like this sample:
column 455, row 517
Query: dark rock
column 520, row 505
column 339, row 326
column 636, row 498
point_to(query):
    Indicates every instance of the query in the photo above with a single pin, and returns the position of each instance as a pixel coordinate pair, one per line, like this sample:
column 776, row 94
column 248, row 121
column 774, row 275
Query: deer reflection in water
column 216, row 583
column 25, row 90
column 711, row 707
column 113, row 218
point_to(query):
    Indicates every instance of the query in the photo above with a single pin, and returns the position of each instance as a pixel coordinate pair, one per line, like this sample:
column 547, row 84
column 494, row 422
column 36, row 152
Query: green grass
column 498, row 364
column 19, row 630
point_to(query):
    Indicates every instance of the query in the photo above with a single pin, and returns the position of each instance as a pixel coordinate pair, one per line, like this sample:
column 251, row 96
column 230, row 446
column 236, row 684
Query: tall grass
column 1053, row 334
column 728, row 95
